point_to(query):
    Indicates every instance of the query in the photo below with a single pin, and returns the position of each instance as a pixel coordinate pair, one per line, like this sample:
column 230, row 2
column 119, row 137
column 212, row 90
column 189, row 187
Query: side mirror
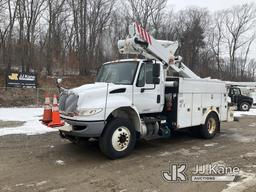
column 156, row 70
column 58, row 82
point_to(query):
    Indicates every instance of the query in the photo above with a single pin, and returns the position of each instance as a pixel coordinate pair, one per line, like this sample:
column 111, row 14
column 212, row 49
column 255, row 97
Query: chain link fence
column 28, row 97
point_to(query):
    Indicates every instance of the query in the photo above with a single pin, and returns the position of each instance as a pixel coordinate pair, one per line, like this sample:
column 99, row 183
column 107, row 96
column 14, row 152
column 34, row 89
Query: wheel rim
column 211, row 125
column 245, row 107
column 121, row 138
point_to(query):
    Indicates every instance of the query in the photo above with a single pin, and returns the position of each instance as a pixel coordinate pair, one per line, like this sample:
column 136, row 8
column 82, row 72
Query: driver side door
column 147, row 95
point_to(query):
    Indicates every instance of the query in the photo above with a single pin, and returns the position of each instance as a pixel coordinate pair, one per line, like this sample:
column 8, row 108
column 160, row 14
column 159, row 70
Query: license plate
column 67, row 128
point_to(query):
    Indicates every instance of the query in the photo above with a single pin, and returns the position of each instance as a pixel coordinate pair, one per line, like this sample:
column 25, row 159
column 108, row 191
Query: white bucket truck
column 134, row 99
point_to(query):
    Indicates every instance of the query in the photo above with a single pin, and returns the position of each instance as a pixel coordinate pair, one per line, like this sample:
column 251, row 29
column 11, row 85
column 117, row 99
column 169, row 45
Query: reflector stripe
column 149, row 39
column 137, row 27
column 143, row 34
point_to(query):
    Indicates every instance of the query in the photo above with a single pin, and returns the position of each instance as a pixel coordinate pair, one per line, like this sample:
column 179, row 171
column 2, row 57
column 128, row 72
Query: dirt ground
column 48, row 163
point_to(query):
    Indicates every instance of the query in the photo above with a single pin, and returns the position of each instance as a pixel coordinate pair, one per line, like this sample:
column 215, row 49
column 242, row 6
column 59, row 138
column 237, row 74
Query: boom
column 141, row 42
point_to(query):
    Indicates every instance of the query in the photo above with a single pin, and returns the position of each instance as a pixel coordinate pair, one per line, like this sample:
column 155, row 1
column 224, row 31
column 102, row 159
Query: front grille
column 68, row 102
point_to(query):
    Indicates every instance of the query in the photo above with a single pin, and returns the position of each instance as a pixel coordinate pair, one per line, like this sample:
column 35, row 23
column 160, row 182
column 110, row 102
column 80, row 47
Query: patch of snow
column 210, row 144
column 248, row 180
column 202, row 151
column 6, row 188
column 251, row 154
column 195, row 147
column 60, row 162
column 182, row 151
column 252, row 112
column 30, row 185
column 163, row 154
column 252, row 125
column 250, row 166
column 41, row 183
column 58, row 190
column 241, row 138
column 188, row 153
column 31, row 115
column 148, row 156
column 20, row 114
column 19, row 184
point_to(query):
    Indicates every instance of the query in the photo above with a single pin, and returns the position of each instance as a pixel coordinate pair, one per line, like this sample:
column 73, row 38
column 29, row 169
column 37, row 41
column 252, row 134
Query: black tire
column 195, row 131
column 127, row 138
column 244, row 106
column 211, row 126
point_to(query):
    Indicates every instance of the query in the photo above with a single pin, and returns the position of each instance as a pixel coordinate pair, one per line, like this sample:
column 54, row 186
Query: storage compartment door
column 184, row 110
column 197, row 109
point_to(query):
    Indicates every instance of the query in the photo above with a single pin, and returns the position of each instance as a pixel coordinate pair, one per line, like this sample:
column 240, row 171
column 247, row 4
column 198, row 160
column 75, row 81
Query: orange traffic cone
column 47, row 116
column 56, row 121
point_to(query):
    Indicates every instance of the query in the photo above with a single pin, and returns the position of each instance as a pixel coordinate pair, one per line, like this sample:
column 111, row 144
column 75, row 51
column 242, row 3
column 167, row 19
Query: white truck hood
column 88, row 88
column 94, row 95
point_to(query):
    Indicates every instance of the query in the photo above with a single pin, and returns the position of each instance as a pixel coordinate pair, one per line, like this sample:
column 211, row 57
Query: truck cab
column 243, row 102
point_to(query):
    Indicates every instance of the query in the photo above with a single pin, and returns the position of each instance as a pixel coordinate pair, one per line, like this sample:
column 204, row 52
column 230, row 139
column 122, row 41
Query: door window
column 141, row 77
column 236, row 92
column 145, row 75
column 149, row 73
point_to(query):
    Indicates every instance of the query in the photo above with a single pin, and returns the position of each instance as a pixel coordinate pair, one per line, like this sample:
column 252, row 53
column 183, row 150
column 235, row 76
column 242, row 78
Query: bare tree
column 12, row 10
column 238, row 21
column 216, row 38
column 91, row 17
column 75, row 36
column 55, row 8
column 251, row 68
column 243, row 63
column 4, row 26
column 146, row 11
column 157, row 15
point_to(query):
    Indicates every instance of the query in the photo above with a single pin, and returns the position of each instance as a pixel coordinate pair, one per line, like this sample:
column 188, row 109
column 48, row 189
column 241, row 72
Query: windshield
column 118, row 73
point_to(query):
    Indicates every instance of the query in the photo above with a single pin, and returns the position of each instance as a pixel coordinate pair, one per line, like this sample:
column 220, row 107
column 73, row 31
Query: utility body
column 135, row 98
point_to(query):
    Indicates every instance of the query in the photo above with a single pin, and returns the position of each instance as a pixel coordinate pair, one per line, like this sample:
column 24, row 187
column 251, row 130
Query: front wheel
column 118, row 138
column 244, row 106
column 211, row 126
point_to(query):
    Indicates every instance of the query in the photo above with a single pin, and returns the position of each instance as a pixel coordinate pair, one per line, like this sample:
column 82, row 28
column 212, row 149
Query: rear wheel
column 244, row 106
column 211, row 126
column 118, row 138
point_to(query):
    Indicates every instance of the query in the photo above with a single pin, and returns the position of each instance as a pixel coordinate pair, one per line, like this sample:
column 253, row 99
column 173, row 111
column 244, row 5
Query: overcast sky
column 212, row 5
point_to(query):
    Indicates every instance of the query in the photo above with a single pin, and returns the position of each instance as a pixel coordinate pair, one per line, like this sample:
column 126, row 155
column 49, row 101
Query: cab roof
column 125, row 60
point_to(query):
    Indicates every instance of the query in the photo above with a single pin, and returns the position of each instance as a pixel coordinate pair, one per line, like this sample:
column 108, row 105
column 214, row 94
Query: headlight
column 88, row 112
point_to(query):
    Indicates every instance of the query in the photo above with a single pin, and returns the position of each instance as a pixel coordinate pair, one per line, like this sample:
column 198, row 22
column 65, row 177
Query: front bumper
column 86, row 128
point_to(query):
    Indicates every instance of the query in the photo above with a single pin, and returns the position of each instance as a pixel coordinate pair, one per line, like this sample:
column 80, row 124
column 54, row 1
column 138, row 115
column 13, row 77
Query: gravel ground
column 48, row 163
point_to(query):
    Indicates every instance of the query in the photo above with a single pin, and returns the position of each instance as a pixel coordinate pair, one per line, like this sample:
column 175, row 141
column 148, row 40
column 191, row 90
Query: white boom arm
column 141, row 42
